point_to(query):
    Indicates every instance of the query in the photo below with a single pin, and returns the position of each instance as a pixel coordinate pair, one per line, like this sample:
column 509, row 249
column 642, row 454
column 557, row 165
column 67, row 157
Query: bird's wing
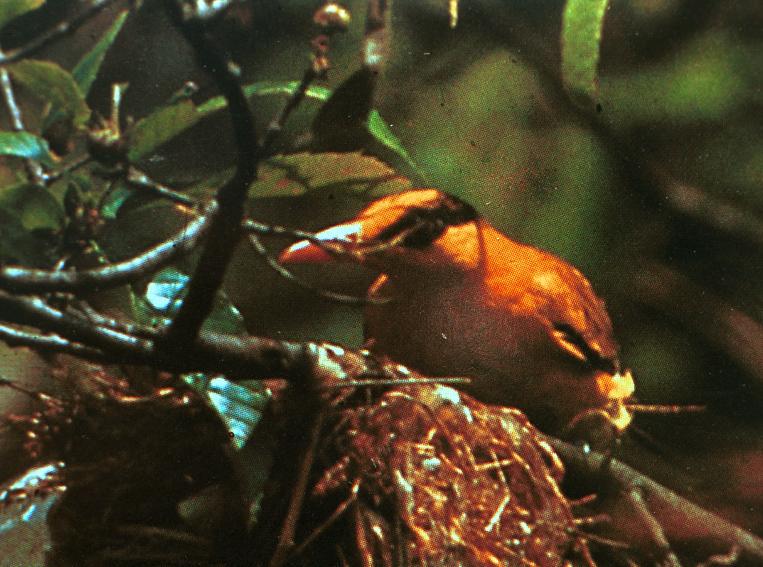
column 573, row 314
column 579, row 320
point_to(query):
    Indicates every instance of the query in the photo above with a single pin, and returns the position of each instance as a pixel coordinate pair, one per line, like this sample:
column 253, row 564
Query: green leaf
column 48, row 81
column 382, row 134
column 11, row 9
column 376, row 125
column 581, row 40
column 25, row 145
column 34, row 206
column 114, row 200
column 267, row 88
column 86, row 70
column 17, row 244
column 239, row 406
column 354, row 172
column 160, row 127
column 164, row 296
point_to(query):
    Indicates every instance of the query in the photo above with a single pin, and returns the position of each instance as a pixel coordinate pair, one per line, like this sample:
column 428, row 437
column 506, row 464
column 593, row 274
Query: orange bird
column 459, row 298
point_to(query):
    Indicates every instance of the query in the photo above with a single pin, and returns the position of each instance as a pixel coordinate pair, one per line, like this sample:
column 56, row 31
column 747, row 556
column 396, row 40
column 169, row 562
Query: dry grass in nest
column 439, row 478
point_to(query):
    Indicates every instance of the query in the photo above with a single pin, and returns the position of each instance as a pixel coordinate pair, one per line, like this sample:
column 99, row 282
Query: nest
column 438, row 478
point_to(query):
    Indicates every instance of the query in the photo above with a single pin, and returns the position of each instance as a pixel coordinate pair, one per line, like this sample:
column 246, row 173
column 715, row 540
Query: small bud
column 333, row 17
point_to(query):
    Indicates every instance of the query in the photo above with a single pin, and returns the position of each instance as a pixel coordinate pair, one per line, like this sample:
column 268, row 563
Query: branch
column 17, row 279
column 681, row 519
column 225, row 230
column 63, row 28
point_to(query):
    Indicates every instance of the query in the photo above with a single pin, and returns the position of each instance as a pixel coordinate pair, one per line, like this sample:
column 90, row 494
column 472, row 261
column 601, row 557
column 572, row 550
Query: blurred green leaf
column 25, row 145
column 571, row 216
column 164, row 296
column 160, row 127
column 34, row 206
column 297, row 174
column 86, row 70
column 704, row 81
column 239, row 406
column 11, row 9
column 581, row 40
column 48, row 81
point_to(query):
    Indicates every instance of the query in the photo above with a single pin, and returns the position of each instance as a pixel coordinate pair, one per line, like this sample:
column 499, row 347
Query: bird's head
column 420, row 230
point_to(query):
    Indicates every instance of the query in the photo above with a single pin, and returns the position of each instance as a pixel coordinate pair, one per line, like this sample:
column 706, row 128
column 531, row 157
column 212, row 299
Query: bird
column 457, row 297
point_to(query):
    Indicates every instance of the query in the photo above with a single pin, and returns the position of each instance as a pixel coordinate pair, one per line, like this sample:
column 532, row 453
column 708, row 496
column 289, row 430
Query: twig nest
column 441, row 479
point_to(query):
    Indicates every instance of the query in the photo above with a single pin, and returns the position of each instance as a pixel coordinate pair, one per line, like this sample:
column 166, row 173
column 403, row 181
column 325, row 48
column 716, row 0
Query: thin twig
column 33, row 168
column 667, row 556
column 137, row 178
column 15, row 337
column 289, row 275
column 54, row 176
column 275, row 127
column 63, row 28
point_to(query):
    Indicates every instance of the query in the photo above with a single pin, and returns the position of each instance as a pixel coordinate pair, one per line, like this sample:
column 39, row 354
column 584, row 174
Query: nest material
column 441, row 479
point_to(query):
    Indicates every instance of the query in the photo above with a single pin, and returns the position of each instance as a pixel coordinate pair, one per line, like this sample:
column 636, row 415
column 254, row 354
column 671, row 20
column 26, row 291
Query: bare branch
column 681, row 519
column 18, row 279
column 225, row 230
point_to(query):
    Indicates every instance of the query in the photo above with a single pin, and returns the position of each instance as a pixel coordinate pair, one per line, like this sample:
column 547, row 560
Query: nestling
column 466, row 300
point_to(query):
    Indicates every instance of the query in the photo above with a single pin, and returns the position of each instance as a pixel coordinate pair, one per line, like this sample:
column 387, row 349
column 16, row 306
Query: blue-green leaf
column 581, row 41
column 11, row 9
column 164, row 296
column 86, row 70
column 239, row 406
column 25, row 145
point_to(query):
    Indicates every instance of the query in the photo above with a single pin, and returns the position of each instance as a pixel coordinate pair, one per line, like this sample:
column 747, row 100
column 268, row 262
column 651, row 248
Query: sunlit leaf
column 297, row 174
column 34, row 206
column 160, row 127
column 11, row 9
column 581, row 40
column 239, row 406
column 48, row 81
column 86, row 70
column 164, row 296
column 25, row 145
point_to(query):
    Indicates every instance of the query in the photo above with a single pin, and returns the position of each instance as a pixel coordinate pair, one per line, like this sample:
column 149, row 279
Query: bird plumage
column 463, row 299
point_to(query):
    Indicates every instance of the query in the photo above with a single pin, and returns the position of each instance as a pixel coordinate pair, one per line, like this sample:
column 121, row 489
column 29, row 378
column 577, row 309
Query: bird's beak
column 306, row 252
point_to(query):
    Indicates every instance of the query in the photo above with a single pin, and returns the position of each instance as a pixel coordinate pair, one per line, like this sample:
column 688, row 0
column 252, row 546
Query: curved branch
column 17, row 279
column 225, row 231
